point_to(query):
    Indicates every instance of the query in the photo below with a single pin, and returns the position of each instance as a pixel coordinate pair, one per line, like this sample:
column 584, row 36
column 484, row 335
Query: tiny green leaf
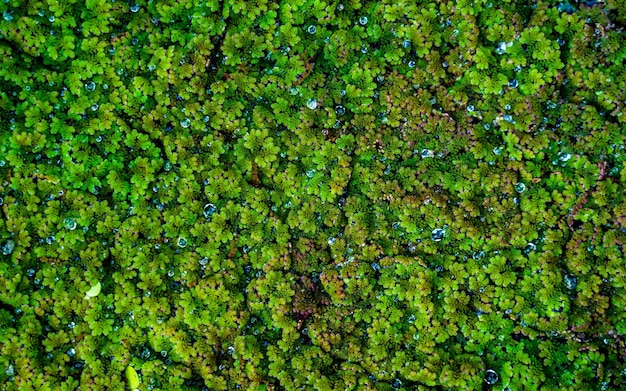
column 132, row 378
column 94, row 291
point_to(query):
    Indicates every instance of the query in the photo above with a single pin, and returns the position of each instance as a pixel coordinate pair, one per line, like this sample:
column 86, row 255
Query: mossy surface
column 311, row 195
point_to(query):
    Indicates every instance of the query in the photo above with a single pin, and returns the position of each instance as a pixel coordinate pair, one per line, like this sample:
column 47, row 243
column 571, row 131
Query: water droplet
column 565, row 157
column 311, row 104
column 50, row 239
column 209, row 210
column 406, row 44
column 411, row 64
column 478, row 255
column 470, row 108
column 94, row 107
column 203, row 261
column 427, row 153
column 570, row 282
column 151, row 67
column 310, row 173
column 8, row 247
column 51, row 19
column 530, row 247
column 41, row 13
column 363, row 20
column 375, row 266
column 491, row 377
column 438, row 234
column 520, row 187
column 170, row 273
column 91, row 86
column 560, row 41
column 331, row 241
column 134, row 8
column 312, row 29
column 507, row 118
column 497, row 150
column 71, row 325
column 8, row 15
column 70, row 223
column 513, row 83
column 99, row 139
column 182, row 242
column 396, row 383
column 185, row 123
column 340, row 110
column 501, row 48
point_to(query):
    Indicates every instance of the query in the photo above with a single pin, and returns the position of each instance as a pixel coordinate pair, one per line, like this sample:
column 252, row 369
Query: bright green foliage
column 312, row 195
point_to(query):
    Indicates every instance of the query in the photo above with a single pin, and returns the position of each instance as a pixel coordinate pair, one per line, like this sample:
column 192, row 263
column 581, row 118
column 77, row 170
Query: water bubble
column 363, row 20
column 51, row 19
column 565, row 156
column 310, row 173
column 8, row 15
column 478, row 255
column 491, row 377
column 50, row 239
column 94, row 107
column 396, row 383
column 406, row 44
column 375, row 266
column 8, row 247
column 151, row 67
column 411, row 64
column 501, row 48
column 41, row 13
column 312, row 29
column 70, row 223
column 513, row 83
column 486, row 126
column 340, row 110
column 530, row 247
column 507, row 107
column 203, row 261
column 520, row 187
column 294, row 91
column 99, row 139
column 134, row 8
column 560, row 41
column 507, row 118
column 209, row 210
column 71, row 352
column 91, row 86
column 395, row 225
column 170, row 273
column 331, row 241
column 438, row 234
column 311, row 104
column 470, row 108
column 182, row 242
column 570, row 282
column 185, row 123
column 497, row 150
column 427, row 153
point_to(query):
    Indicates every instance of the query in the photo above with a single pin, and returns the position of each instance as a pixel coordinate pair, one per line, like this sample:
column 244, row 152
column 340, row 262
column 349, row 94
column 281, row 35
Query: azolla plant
column 310, row 195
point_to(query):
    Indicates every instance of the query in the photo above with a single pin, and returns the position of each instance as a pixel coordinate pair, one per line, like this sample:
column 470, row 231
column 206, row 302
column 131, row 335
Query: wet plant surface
column 307, row 195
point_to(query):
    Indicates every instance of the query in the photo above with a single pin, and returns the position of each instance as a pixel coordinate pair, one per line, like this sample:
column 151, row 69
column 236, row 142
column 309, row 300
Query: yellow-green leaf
column 94, row 291
column 132, row 378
